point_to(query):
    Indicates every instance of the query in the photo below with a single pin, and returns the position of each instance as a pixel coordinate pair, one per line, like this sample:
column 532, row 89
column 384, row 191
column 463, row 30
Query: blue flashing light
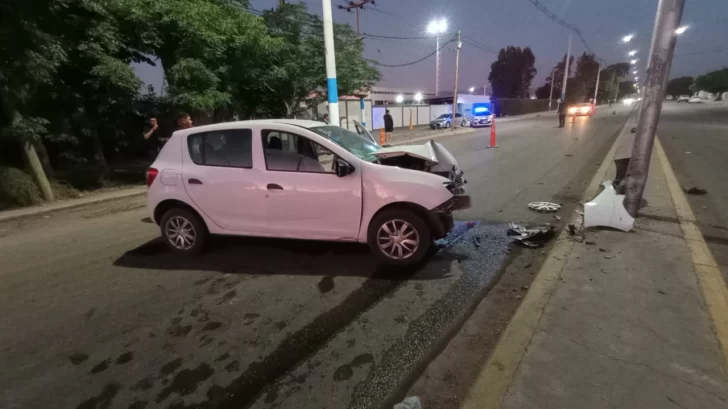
column 480, row 110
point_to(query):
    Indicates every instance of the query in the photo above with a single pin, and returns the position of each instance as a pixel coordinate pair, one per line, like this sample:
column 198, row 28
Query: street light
column 437, row 27
column 681, row 30
column 636, row 78
column 634, row 72
column 418, row 97
column 633, row 62
column 471, row 89
column 632, row 53
column 627, row 38
column 399, row 99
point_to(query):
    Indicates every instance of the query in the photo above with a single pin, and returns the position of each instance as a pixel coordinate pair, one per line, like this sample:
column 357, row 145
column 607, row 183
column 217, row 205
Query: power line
column 413, row 62
column 478, row 44
column 394, row 37
column 558, row 20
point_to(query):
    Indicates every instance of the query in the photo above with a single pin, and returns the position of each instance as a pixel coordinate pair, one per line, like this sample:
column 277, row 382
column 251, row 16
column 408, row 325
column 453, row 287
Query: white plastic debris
column 412, row 402
column 607, row 210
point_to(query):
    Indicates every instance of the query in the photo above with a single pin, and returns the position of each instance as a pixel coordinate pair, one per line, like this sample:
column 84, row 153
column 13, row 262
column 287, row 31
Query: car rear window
column 231, row 148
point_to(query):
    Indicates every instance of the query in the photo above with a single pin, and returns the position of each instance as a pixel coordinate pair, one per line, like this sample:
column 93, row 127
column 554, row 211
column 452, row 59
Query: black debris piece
column 634, row 130
column 696, row 191
column 572, row 230
column 531, row 236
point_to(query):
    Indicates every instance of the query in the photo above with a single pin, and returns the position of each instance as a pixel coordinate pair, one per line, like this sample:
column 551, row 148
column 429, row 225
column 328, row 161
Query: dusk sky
column 499, row 23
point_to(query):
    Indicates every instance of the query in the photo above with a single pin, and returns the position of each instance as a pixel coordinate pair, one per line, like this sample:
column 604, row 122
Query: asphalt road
column 695, row 138
column 95, row 313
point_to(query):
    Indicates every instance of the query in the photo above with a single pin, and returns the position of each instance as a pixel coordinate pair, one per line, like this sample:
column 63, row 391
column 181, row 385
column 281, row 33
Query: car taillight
column 151, row 175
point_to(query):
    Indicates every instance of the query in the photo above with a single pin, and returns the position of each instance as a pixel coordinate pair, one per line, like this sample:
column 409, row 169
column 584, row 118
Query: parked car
column 444, row 120
column 683, row 98
column 303, row 179
column 584, row 109
column 695, row 100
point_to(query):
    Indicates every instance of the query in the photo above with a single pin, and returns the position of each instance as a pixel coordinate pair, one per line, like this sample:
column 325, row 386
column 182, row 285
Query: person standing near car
column 153, row 144
column 562, row 113
column 388, row 126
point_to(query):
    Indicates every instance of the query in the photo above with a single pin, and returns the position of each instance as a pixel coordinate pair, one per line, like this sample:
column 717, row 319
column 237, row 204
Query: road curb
column 491, row 386
column 710, row 279
column 58, row 207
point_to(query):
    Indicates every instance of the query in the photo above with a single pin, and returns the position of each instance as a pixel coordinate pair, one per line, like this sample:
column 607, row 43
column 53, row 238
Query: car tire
column 177, row 221
column 390, row 224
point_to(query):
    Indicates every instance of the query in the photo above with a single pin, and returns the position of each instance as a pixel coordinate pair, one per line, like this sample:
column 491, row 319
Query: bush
column 17, row 189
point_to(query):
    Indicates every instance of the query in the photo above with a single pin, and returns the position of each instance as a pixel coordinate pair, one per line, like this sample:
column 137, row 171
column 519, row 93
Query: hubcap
column 398, row 239
column 180, row 233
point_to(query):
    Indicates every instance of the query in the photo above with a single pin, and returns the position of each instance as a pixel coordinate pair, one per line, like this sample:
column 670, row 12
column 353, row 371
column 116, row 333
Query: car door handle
column 273, row 186
column 193, row 181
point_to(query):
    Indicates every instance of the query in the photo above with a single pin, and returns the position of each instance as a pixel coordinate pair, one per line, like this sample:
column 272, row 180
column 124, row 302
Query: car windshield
column 352, row 142
column 443, row 116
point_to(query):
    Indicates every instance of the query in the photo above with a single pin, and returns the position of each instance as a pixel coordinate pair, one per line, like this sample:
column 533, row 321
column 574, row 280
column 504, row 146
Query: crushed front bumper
column 441, row 217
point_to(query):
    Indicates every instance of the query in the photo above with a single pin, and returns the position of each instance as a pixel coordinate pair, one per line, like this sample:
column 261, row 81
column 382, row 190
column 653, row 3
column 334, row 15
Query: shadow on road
column 262, row 256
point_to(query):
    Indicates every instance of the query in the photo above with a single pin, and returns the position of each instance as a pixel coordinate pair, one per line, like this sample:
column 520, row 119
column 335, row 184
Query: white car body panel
column 316, row 206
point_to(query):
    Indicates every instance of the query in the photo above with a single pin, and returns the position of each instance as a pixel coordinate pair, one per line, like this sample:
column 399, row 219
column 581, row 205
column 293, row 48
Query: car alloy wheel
column 180, row 233
column 398, row 239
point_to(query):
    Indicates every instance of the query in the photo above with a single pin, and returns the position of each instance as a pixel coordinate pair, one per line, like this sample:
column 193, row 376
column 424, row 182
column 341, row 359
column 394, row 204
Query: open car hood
column 436, row 157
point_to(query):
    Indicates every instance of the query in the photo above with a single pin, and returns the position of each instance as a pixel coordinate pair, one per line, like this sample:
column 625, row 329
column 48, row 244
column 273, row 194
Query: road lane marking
column 491, row 386
column 712, row 284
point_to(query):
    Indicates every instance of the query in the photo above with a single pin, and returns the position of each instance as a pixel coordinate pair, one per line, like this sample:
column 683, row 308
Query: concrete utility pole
column 437, row 67
column 551, row 93
column 566, row 71
column 596, row 87
column 669, row 14
column 455, row 93
column 356, row 5
column 332, row 86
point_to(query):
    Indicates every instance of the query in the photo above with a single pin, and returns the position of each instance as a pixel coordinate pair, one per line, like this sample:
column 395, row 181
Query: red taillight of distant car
column 151, row 175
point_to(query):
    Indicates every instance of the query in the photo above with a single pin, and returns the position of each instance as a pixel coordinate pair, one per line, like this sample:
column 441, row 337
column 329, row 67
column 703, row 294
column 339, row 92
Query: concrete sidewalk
column 91, row 199
column 619, row 320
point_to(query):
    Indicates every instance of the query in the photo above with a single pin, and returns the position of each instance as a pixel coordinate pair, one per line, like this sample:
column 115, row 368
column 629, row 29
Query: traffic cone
column 492, row 135
column 382, row 140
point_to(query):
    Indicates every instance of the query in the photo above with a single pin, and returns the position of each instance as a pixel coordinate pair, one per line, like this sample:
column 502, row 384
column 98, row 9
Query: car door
column 305, row 197
column 221, row 181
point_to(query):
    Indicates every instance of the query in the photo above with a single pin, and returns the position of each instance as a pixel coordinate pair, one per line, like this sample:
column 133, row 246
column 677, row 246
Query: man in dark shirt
column 562, row 113
column 388, row 126
column 152, row 142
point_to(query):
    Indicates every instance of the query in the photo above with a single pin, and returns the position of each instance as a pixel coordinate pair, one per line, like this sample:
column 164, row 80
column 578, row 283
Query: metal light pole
column 332, row 87
column 437, row 27
column 669, row 14
column 551, row 94
column 566, row 71
column 596, row 88
column 455, row 93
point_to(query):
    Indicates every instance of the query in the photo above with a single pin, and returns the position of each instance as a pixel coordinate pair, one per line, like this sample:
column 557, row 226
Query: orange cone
column 492, row 135
column 381, row 136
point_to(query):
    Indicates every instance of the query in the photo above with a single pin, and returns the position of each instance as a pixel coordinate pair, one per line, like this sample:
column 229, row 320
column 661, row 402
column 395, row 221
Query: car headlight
column 572, row 110
column 584, row 110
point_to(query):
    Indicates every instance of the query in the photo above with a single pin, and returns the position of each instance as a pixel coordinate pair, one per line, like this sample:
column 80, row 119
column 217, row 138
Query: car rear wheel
column 399, row 237
column 183, row 231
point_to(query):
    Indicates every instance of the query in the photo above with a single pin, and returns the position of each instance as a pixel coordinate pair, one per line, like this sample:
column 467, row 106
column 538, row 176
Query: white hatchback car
column 303, row 180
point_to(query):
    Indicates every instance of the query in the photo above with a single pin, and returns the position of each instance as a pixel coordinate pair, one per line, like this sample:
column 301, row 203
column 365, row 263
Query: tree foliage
column 512, row 73
column 715, row 81
column 679, row 86
column 67, row 86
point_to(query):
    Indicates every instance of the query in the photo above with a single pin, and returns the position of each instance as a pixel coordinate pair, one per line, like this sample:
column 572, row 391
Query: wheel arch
column 165, row 205
column 427, row 216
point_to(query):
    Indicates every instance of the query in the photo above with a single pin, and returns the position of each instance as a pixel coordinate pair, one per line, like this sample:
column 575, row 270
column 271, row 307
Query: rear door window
column 232, row 148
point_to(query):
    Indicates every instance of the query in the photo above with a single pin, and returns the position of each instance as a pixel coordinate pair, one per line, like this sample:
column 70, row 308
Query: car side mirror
column 343, row 168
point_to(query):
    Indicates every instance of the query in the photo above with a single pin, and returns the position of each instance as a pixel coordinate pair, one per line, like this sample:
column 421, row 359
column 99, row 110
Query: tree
column 512, row 73
column 679, row 86
column 586, row 72
column 296, row 75
column 544, row 91
column 715, row 82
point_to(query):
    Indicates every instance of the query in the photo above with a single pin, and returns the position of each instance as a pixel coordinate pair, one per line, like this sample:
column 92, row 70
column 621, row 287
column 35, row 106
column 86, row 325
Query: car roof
column 304, row 123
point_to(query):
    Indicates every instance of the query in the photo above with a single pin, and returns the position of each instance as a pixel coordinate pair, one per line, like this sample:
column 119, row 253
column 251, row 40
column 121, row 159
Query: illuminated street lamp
column 636, row 78
column 399, row 99
column 633, row 62
column 471, row 89
column 437, row 27
column 681, row 30
column 627, row 38
column 418, row 97
column 634, row 72
column 632, row 53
